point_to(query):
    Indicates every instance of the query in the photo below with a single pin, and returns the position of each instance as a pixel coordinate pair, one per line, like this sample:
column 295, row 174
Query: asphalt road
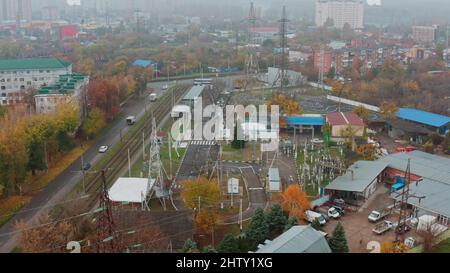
column 55, row 192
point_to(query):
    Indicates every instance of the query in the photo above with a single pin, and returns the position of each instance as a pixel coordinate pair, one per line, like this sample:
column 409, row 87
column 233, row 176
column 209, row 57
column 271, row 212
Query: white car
column 317, row 141
column 333, row 213
column 103, row 149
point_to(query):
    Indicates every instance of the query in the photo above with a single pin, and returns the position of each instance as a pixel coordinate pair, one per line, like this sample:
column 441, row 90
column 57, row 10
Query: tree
column 104, row 94
column 209, row 249
column 338, row 241
column 393, row 247
column 206, row 220
column 388, row 110
column 292, row 221
column 94, row 123
column 229, row 244
column 295, row 201
column 190, row 246
column 367, row 151
column 316, row 225
column 47, row 237
column 362, row 112
column 258, row 230
column 208, row 192
column 276, row 220
column 36, row 157
column 2, row 111
column 237, row 143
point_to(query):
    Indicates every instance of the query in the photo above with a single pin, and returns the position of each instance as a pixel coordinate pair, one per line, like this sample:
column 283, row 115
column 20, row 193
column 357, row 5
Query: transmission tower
column 252, row 60
column 155, row 170
column 283, row 44
column 401, row 228
column 108, row 239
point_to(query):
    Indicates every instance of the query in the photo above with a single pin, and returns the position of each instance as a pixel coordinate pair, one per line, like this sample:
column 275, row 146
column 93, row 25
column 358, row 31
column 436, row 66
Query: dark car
column 340, row 210
column 86, row 166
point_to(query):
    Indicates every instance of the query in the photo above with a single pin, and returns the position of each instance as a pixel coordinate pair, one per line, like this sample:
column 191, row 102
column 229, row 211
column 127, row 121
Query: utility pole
column 169, row 142
column 129, row 163
column 84, row 173
column 321, row 66
column 199, row 203
column 240, row 214
column 143, row 146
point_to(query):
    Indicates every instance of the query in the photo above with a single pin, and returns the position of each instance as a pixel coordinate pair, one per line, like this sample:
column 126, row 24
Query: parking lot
column 357, row 227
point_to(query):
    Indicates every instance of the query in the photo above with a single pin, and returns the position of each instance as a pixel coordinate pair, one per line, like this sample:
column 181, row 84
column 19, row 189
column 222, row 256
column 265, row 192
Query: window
column 3, row 88
column 22, row 79
column 22, row 87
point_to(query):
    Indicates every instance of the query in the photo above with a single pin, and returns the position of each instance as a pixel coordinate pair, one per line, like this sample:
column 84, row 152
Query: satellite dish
column 73, row 2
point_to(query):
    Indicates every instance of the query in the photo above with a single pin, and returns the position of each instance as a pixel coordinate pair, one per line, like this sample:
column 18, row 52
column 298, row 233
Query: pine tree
column 229, row 244
column 209, row 249
column 276, row 220
column 258, row 231
column 316, row 225
column 190, row 246
column 338, row 242
column 292, row 221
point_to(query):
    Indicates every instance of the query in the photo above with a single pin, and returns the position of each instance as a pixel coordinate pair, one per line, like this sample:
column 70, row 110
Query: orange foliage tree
column 295, row 201
column 104, row 94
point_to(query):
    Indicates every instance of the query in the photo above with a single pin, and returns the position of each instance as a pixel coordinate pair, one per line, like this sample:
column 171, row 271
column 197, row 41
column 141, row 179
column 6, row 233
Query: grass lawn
column 230, row 153
column 443, row 246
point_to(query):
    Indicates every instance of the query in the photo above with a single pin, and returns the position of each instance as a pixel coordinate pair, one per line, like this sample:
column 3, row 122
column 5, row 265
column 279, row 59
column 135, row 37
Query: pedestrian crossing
column 203, row 142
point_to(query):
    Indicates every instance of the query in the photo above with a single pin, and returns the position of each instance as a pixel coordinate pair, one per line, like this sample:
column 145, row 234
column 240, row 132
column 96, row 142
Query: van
column 312, row 215
column 131, row 120
column 153, row 97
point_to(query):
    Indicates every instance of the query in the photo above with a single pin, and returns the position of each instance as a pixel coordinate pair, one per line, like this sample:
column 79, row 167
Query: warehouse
column 431, row 121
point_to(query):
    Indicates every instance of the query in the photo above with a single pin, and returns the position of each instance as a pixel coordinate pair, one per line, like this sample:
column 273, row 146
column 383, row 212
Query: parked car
column 103, row 149
column 333, row 213
column 153, row 97
column 312, row 215
column 339, row 209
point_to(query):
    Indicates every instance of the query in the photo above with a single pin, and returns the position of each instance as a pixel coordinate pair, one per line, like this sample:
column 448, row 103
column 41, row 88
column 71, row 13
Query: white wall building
column 18, row 75
column 341, row 12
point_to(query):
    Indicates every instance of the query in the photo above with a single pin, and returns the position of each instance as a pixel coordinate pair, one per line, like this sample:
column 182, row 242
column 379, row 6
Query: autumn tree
column 295, row 202
column 393, row 247
column 206, row 220
column 47, row 237
column 362, row 112
column 388, row 110
column 367, row 151
column 208, row 192
column 94, row 123
column 104, row 94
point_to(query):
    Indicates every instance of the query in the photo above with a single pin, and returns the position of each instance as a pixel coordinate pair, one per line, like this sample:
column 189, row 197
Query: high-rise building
column 50, row 13
column 340, row 12
column 14, row 10
column 424, row 34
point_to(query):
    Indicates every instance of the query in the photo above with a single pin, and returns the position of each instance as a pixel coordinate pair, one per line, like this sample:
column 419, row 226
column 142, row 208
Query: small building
column 67, row 89
column 313, row 122
column 130, row 191
column 431, row 121
column 298, row 239
column 343, row 124
column 144, row 63
column 358, row 183
column 274, row 180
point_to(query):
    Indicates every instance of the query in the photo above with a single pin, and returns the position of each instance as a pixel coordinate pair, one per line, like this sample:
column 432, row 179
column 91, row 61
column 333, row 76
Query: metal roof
column 194, row 93
column 274, row 175
column 437, row 196
column 129, row 189
column 364, row 173
column 298, row 239
column 32, row 63
column 347, row 118
column 305, row 120
column 423, row 117
column 143, row 63
column 423, row 164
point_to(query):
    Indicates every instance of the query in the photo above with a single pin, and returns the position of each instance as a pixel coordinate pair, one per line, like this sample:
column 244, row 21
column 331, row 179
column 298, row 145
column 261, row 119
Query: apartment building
column 340, row 12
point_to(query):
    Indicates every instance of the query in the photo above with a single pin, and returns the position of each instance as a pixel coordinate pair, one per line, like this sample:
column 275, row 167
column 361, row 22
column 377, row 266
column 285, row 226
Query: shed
column 130, row 190
column 274, row 180
column 440, row 123
column 340, row 123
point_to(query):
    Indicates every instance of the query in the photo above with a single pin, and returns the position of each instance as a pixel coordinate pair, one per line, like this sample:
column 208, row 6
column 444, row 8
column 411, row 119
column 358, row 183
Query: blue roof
column 300, row 120
column 423, row 117
column 143, row 63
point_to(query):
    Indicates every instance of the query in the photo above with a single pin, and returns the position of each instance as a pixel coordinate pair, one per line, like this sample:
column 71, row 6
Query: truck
column 383, row 227
column 153, row 97
column 377, row 215
column 312, row 215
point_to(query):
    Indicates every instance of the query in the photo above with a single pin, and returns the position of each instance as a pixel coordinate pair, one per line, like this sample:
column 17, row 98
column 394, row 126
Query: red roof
column 340, row 118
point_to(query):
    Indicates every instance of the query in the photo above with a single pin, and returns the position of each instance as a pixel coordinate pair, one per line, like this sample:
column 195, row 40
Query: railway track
column 113, row 167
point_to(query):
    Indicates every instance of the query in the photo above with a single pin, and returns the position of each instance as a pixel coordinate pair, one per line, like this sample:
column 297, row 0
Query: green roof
column 65, row 84
column 36, row 63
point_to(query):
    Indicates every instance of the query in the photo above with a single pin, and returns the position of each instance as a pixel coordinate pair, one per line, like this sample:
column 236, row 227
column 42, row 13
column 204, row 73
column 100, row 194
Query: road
column 63, row 184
